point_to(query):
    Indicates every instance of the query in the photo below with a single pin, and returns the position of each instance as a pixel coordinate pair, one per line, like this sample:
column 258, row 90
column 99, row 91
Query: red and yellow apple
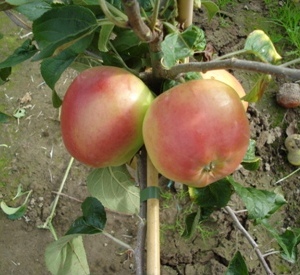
column 229, row 79
column 102, row 116
column 197, row 132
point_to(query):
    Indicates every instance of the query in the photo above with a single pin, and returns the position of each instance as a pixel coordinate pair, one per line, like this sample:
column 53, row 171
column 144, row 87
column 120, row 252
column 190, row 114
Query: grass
column 223, row 3
column 287, row 19
column 181, row 201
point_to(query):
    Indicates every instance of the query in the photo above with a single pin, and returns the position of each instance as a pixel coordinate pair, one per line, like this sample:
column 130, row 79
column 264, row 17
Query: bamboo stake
column 153, row 231
column 185, row 12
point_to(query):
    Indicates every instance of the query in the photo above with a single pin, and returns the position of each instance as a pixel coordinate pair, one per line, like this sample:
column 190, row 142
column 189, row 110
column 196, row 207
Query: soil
column 35, row 158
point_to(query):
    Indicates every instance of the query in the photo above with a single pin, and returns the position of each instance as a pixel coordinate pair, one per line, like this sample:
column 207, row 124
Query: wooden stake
column 185, row 12
column 153, row 230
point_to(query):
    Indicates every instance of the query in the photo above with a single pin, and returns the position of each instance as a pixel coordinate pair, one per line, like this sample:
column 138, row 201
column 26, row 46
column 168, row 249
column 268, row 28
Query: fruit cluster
column 194, row 133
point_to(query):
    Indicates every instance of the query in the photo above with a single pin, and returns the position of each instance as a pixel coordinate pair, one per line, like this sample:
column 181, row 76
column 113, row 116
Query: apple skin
column 229, row 79
column 197, row 132
column 102, row 116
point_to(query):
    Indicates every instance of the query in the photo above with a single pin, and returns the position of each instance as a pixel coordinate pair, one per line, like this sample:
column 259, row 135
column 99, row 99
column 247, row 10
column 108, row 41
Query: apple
column 102, row 115
column 197, row 132
column 229, row 79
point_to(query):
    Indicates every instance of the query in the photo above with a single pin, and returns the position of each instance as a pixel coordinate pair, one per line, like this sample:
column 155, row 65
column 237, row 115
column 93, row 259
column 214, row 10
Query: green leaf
column 288, row 241
column 18, row 2
column 53, row 67
column 34, row 9
column 5, row 118
column 191, row 222
column 290, row 238
column 59, row 28
column 261, row 45
column 93, row 220
column 13, row 213
column 258, row 89
column 105, row 34
column 237, row 265
column 259, row 203
column 26, row 51
column 251, row 161
column 211, row 8
column 125, row 39
column 178, row 46
column 4, row 74
column 115, row 188
column 66, row 256
column 56, row 101
column 5, row 6
column 215, row 195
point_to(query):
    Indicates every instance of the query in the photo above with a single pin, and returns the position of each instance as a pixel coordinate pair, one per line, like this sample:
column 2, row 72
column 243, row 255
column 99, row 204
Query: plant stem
column 116, row 240
column 110, row 16
column 232, row 54
column 289, row 175
column 233, row 63
column 153, row 229
column 250, row 240
column 48, row 222
column 292, row 62
column 155, row 14
column 132, row 9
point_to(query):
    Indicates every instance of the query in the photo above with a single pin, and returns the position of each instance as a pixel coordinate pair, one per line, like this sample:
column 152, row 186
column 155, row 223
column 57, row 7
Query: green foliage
column 237, row 266
column 14, row 213
column 93, row 220
column 259, row 203
column 179, row 45
column 212, row 197
column 115, row 188
column 261, row 45
column 288, row 241
column 224, row 3
column 67, row 256
column 251, row 161
column 286, row 18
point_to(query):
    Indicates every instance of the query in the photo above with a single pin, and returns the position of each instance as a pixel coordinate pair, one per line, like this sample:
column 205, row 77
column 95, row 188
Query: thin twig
column 48, row 222
column 67, row 196
column 286, row 177
column 233, row 63
column 250, row 240
column 155, row 14
column 119, row 242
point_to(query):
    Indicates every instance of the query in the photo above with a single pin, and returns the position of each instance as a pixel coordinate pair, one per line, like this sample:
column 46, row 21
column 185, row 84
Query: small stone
column 288, row 95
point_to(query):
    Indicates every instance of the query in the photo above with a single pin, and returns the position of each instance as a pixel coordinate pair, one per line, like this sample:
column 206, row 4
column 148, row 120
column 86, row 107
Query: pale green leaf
column 67, row 256
column 178, row 45
column 9, row 210
column 115, row 188
column 251, row 161
column 261, row 45
column 211, row 8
